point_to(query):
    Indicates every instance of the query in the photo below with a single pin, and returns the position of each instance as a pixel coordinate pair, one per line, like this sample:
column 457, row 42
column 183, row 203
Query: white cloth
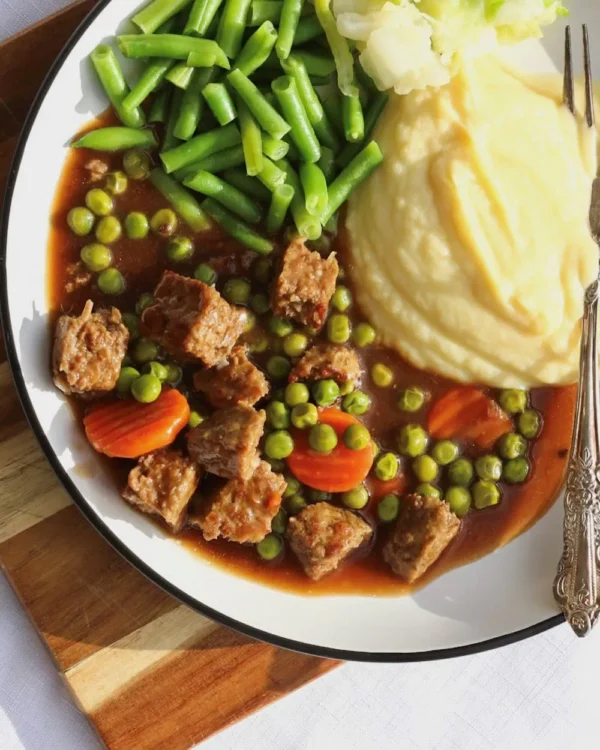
column 535, row 695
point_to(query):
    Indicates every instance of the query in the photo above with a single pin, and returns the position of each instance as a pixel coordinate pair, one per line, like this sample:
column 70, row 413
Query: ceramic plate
column 501, row 598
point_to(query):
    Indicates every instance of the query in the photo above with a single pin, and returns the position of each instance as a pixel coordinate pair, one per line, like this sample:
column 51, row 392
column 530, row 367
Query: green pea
column 259, row 303
column 411, row 399
column 99, row 202
column 108, row 230
column 530, row 423
column 278, row 415
column 356, row 403
column 356, row 437
column 205, row 273
column 279, row 444
column 96, row 257
column 339, row 328
column 296, row 394
column 259, row 343
column 412, row 440
column 294, row 344
column 513, row 400
column 131, row 322
column 292, row 487
column 237, row 291
column 116, row 183
column 195, row 419
column 386, row 466
column 459, row 500
column 270, row 547
column 277, row 465
column 346, row 388
column 278, row 367
column 461, row 472
column 262, row 270
column 363, row 335
column 174, row 374
column 318, row 496
column 144, row 351
column 489, row 467
column 279, row 522
column 382, row 375
column 388, row 508
column 164, row 222
column 304, row 416
column 428, row 490
column 425, row 468
column 325, row 392
column 144, row 302
column 511, row 445
column 322, row 438
column 249, row 321
column 136, row 225
column 146, row 389
column 111, row 282
column 280, row 326
column 444, row 452
column 516, row 471
column 81, row 221
column 125, row 379
column 485, row 494
column 294, row 504
column 342, row 299
column 180, row 249
column 157, row 369
column 357, row 498
column 137, row 164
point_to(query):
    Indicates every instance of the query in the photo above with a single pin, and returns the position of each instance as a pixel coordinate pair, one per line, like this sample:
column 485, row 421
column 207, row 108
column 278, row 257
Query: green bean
column 288, row 23
column 204, row 52
column 354, row 123
column 359, row 169
column 251, row 139
column 323, row 128
column 331, row 101
column 265, row 10
column 182, row 201
column 280, row 203
column 248, row 185
column 192, row 103
column 302, row 132
column 232, row 25
column 308, row 28
column 116, row 139
column 151, row 78
column 170, row 140
column 229, row 157
column 267, row 116
column 158, row 12
column 230, row 197
column 201, row 146
column 271, row 175
column 307, row 225
column 200, row 20
column 220, row 102
column 372, row 114
column 180, row 75
column 237, row 228
column 159, row 111
column 327, row 163
column 257, row 49
column 314, row 185
column 316, row 63
column 274, row 148
column 113, row 81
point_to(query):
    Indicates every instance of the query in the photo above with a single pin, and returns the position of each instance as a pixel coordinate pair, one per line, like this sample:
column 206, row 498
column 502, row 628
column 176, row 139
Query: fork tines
column 568, row 80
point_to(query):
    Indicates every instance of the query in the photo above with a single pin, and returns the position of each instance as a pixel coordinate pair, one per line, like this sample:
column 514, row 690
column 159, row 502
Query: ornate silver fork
column 576, row 585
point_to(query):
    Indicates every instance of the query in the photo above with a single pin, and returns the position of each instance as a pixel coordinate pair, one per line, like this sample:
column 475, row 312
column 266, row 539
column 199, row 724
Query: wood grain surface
column 146, row 670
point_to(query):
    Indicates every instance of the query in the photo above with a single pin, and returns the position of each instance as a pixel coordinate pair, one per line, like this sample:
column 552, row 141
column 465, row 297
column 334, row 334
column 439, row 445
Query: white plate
column 499, row 599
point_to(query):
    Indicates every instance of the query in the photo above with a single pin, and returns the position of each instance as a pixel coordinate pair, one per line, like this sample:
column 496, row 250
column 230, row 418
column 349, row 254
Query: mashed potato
column 470, row 244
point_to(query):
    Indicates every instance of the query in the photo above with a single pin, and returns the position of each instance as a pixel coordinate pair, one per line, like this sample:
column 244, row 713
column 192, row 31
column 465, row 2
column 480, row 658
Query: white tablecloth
column 536, row 695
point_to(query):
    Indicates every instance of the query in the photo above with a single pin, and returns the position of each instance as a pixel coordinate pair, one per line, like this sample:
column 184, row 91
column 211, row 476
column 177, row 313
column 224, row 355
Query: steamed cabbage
column 413, row 44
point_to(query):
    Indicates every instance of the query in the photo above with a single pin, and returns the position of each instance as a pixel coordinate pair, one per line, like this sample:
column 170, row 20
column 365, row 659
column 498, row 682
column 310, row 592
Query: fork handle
column 576, row 583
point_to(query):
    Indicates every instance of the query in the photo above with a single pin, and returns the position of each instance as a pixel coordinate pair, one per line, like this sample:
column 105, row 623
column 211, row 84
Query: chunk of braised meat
column 328, row 361
column 88, row 350
column 242, row 511
column 191, row 320
column 77, row 276
column 322, row 536
column 226, row 444
column 304, row 286
column 97, row 169
column 236, row 383
column 425, row 527
column 162, row 484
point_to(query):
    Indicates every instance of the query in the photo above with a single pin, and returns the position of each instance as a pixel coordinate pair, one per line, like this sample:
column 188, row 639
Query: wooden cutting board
column 146, row 670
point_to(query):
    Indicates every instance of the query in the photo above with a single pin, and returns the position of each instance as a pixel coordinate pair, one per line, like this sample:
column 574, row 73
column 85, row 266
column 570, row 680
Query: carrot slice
column 338, row 471
column 128, row 429
column 468, row 414
column 378, row 488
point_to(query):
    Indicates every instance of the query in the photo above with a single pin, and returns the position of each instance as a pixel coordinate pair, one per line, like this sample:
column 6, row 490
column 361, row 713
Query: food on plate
column 247, row 364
